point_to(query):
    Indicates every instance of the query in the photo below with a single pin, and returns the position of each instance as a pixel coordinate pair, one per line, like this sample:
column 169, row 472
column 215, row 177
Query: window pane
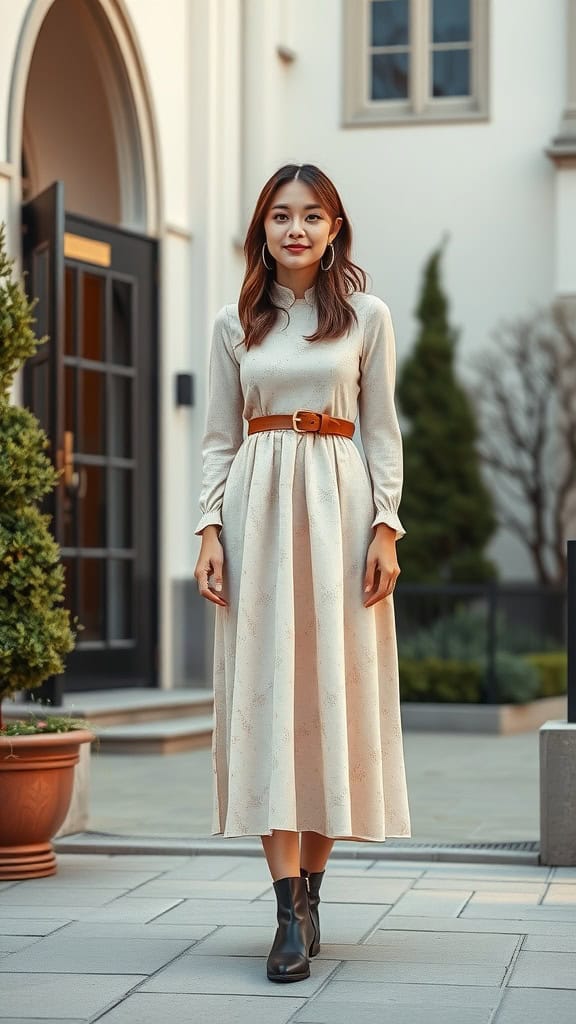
column 121, row 323
column 451, row 70
column 41, row 279
column 91, row 426
column 120, row 416
column 93, row 317
column 390, row 22
column 91, row 507
column 40, row 388
column 69, row 334
column 120, row 599
column 451, row 21
column 70, row 398
column 119, row 508
column 70, row 567
column 389, row 76
column 91, row 595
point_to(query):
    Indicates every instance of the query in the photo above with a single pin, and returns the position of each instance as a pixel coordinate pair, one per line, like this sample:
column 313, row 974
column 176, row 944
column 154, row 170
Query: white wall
column 228, row 111
column 489, row 184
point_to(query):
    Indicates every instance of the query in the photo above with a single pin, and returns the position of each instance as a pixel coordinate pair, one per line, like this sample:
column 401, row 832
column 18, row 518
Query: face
column 297, row 227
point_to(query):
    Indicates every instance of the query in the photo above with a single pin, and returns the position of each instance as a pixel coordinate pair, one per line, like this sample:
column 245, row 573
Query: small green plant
column 39, row 726
column 35, row 631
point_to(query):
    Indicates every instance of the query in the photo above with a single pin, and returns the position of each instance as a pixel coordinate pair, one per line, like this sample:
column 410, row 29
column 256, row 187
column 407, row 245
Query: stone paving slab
column 118, row 930
column 357, row 889
column 52, row 895
column 480, row 884
column 61, row 997
column 430, row 973
column 444, row 903
column 344, row 1001
column 504, row 872
column 62, row 955
column 94, row 878
column 536, row 1006
column 14, row 943
column 155, row 1008
column 352, row 926
column 550, row 943
column 208, row 867
column 421, row 944
column 563, row 892
column 221, row 888
column 243, row 975
column 544, row 970
column 439, row 947
column 520, row 926
column 563, row 875
column 26, row 926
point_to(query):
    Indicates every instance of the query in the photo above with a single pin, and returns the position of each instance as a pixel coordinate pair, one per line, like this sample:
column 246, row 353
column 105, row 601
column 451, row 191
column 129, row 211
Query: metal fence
column 476, row 622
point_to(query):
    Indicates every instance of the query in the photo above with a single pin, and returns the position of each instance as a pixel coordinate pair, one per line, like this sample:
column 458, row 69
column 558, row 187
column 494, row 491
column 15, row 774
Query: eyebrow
column 285, row 206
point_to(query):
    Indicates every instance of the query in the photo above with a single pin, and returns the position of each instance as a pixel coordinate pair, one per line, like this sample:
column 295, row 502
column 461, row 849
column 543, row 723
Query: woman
column 300, row 542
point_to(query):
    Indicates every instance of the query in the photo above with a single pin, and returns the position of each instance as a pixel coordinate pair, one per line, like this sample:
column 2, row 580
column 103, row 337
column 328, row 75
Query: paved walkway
column 140, row 940
column 461, row 788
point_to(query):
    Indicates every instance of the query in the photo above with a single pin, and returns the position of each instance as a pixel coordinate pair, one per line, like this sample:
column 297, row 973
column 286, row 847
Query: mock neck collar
column 285, row 297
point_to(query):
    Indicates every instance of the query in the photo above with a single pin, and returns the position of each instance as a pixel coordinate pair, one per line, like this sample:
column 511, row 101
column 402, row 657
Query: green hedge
column 552, row 669
column 434, row 679
column 520, row 679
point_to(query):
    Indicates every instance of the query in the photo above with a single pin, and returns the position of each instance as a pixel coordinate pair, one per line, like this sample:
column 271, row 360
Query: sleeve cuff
column 211, row 518
column 391, row 519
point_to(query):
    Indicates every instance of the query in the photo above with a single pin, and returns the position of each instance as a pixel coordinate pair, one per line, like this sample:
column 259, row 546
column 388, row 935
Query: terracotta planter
column 36, row 780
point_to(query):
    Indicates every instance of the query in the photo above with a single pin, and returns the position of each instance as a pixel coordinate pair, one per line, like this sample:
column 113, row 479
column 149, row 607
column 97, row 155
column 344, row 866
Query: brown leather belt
column 303, row 421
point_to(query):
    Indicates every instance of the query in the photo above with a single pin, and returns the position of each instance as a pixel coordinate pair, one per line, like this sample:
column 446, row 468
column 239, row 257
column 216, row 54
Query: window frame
column 421, row 107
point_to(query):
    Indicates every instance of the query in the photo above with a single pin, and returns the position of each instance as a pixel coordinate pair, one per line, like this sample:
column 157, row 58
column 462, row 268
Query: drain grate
column 529, row 845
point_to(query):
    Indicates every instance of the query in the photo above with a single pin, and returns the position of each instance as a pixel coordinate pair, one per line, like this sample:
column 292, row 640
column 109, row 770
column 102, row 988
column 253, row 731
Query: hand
column 210, row 562
column 382, row 569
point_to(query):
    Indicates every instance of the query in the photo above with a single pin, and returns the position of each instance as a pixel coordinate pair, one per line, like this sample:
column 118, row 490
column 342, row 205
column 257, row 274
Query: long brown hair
column 256, row 309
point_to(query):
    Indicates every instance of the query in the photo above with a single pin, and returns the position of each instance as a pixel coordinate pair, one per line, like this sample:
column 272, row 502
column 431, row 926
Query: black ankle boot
column 288, row 958
column 314, row 881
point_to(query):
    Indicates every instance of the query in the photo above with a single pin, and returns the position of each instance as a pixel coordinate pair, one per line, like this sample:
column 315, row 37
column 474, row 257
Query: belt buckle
column 295, row 417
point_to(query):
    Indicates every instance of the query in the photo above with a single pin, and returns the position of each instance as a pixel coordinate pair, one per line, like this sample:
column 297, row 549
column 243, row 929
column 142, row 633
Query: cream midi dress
column 307, row 732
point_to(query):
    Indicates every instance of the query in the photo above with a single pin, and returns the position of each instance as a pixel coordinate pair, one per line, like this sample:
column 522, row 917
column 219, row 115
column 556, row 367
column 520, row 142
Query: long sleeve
column 223, row 433
column 379, row 427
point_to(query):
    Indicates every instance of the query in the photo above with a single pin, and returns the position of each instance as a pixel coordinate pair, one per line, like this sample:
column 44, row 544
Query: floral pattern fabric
column 307, row 731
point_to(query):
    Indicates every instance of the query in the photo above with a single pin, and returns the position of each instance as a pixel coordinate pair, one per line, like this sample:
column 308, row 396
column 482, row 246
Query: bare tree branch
column 525, row 395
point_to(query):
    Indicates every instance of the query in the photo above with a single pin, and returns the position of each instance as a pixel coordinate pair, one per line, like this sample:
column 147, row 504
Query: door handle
column 65, row 461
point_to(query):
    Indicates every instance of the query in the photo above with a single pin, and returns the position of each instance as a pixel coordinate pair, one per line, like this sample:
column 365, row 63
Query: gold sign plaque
column 87, row 249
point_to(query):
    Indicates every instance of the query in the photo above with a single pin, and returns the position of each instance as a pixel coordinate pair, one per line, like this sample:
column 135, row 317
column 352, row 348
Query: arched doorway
column 87, row 206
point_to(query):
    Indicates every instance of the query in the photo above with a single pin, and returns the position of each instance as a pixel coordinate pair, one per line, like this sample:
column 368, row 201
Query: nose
column 296, row 229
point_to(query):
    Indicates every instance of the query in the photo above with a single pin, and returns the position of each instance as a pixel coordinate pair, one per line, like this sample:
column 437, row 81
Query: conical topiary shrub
column 35, row 630
column 448, row 510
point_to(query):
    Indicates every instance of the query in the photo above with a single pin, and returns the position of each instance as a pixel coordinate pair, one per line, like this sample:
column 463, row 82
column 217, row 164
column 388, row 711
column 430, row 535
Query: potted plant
column 37, row 756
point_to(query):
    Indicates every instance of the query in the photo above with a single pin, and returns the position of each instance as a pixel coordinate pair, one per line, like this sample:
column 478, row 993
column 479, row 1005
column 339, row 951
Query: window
column 415, row 60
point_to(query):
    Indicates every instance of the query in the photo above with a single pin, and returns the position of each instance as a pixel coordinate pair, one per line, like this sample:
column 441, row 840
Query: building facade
column 134, row 139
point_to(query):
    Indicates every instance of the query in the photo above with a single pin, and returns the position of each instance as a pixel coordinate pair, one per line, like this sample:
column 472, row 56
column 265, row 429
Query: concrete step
column 123, row 706
column 164, row 737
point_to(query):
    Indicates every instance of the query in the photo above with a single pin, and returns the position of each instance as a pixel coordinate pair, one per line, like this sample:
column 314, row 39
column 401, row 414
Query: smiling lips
column 297, row 248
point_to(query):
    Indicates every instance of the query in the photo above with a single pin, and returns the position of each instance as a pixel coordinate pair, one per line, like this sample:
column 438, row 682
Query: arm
column 223, row 432
column 379, row 428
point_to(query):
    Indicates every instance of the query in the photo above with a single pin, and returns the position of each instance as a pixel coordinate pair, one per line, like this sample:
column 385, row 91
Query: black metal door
column 94, row 388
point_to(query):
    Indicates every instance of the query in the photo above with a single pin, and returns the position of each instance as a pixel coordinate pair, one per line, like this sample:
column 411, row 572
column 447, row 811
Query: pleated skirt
column 307, row 731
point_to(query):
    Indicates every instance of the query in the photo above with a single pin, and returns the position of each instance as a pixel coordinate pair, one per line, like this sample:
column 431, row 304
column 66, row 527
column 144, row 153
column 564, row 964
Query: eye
column 277, row 215
column 315, row 215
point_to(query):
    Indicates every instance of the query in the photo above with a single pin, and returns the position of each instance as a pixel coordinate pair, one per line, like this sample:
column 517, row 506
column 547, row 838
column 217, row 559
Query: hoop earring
column 264, row 258
column 331, row 261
